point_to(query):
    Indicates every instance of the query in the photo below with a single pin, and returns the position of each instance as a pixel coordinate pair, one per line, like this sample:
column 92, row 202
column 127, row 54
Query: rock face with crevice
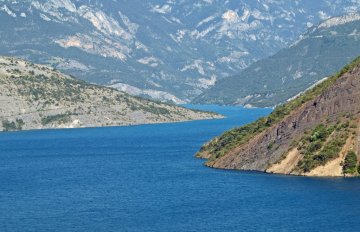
column 292, row 141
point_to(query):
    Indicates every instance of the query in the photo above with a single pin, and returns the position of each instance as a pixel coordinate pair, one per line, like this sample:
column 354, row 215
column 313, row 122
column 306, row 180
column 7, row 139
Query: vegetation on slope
column 221, row 145
column 12, row 125
column 322, row 145
column 350, row 164
column 36, row 96
column 58, row 118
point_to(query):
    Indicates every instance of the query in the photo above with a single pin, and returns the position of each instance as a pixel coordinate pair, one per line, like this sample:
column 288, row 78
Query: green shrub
column 350, row 163
column 317, row 151
column 8, row 126
column 353, row 126
column 271, row 145
column 12, row 126
column 321, row 133
column 19, row 124
column 59, row 118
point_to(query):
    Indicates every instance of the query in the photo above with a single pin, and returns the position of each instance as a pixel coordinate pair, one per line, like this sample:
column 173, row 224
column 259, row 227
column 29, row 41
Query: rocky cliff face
column 37, row 96
column 304, row 140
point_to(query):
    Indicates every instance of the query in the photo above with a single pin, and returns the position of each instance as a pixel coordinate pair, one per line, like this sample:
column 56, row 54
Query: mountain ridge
column 316, row 55
column 39, row 97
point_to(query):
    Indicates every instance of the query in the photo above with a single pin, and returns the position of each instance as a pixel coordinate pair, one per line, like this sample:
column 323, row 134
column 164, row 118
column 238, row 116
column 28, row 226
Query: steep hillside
column 316, row 134
column 36, row 96
column 168, row 50
column 319, row 53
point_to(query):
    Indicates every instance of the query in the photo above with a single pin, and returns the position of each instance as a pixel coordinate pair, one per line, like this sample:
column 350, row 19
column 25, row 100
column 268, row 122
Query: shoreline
column 265, row 172
column 112, row 126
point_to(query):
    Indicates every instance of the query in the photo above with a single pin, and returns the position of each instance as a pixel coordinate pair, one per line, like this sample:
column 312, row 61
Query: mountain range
column 163, row 49
column 317, row 54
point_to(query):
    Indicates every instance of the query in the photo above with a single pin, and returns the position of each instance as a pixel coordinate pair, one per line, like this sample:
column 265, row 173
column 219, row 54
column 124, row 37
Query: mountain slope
column 170, row 50
column 36, row 96
column 318, row 54
column 316, row 134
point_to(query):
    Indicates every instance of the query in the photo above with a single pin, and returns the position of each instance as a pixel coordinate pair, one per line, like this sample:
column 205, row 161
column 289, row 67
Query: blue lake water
column 145, row 178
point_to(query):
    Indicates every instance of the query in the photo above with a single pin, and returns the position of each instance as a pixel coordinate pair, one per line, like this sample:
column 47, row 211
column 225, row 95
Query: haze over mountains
column 319, row 53
column 169, row 50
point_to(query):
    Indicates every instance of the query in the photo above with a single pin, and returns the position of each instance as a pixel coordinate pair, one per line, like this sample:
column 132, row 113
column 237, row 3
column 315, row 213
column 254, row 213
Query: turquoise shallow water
column 145, row 178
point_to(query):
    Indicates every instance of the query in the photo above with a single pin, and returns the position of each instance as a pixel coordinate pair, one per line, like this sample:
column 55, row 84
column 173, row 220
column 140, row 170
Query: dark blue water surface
column 145, row 178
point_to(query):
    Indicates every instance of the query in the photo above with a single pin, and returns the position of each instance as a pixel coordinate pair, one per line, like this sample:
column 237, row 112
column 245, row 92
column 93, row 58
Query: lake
column 145, row 178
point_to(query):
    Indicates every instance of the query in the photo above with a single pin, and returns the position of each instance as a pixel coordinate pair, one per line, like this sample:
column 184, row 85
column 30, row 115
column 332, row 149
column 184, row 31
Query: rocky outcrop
column 275, row 148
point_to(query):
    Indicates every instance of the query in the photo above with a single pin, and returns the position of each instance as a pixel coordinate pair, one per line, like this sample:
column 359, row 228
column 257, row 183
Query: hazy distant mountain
column 318, row 54
column 164, row 49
